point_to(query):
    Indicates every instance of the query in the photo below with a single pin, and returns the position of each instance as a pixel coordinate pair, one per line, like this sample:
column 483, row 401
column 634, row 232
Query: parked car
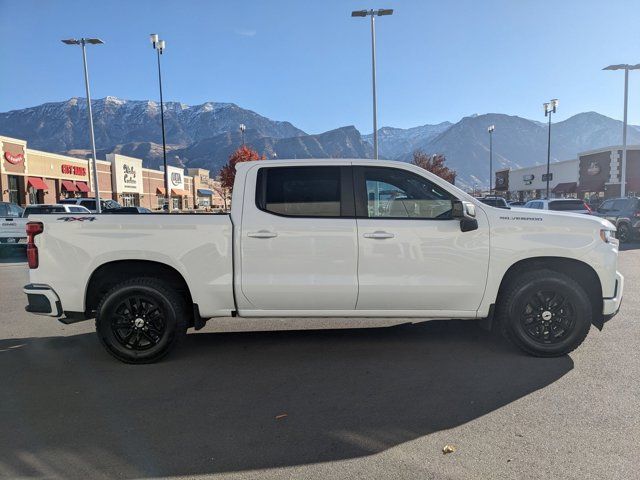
column 123, row 210
column 624, row 213
column 12, row 225
column 55, row 208
column 307, row 238
column 90, row 203
column 571, row 205
column 498, row 202
column 516, row 203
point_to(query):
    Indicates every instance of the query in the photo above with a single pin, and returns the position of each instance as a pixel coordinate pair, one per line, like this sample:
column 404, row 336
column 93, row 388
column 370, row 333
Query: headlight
column 608, row 236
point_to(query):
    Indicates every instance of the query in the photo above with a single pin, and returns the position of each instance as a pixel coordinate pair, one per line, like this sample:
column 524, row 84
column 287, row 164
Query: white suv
column 90, row 203
column 571, row 205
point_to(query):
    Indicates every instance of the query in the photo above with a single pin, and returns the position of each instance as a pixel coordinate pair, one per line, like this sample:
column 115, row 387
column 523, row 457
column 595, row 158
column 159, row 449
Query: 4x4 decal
column 77, row 219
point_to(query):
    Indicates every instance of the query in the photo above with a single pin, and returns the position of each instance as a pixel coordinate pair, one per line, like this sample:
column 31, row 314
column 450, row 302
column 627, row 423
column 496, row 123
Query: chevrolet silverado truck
column 327, row 238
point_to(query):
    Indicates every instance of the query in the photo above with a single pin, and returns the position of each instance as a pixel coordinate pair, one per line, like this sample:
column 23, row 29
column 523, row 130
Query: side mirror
column 466, row 212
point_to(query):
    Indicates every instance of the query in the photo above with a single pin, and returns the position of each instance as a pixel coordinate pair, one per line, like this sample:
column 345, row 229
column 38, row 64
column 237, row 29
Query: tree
column 228, row 172
column 434, row 164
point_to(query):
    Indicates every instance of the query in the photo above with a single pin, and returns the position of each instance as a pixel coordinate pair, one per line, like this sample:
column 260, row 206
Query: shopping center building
column 30, row 176
column 594, row 176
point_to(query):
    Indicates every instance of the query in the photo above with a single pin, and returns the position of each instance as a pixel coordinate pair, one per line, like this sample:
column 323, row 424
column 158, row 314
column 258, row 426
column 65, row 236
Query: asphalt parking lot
column 294, row 403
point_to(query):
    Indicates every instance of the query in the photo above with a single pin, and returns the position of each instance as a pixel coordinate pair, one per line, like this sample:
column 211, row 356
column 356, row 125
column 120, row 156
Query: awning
column 568, row 187
column 592, row 187
column 82, row 187
column 68, row 185
column 160, row 191
column 205, row 192
column 176, row 192
column 37, row 183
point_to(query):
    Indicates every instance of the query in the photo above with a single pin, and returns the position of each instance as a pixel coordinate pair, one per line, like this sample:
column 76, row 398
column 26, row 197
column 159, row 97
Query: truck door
column 412, row 254
column 298, row 242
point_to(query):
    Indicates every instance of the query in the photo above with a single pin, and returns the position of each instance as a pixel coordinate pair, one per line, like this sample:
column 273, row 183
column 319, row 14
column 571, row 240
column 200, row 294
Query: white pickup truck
column 327, row 238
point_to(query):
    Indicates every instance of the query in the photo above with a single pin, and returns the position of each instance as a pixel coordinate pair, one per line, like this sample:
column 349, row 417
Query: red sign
column 74, row 170
column 13, row 158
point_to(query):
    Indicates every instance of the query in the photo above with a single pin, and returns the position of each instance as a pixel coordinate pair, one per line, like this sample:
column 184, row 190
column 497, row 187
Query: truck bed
column 197, row 246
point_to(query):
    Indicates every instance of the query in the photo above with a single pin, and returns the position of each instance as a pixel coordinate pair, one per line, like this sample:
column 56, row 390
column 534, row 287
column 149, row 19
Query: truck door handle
column 262, row 234
column 379, row 235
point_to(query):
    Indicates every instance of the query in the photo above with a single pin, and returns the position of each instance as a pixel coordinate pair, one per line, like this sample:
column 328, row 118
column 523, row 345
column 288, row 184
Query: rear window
column 561, row 205
column 40, row 210
column 494, row 202
column 299, row 191
column 90, row 204
column 68, row 201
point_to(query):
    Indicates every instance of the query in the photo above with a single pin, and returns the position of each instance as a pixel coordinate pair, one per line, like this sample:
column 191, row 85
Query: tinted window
column 68, row 201
column 395, row 193
column 494, row 202
column 299, row 191
column 620, row 204
column 40, row 210
column 606, row 206
column 90, row 204
column 560, row 205
column 77, row 210
column 4, row 209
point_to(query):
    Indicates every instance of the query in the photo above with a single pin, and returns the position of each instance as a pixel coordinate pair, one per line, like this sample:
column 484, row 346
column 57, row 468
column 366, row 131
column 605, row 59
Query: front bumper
column 42, row 299
column 610, row 306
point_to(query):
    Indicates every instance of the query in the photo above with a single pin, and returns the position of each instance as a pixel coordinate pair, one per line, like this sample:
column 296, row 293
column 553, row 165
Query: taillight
column 33, row 229
column 587, row 207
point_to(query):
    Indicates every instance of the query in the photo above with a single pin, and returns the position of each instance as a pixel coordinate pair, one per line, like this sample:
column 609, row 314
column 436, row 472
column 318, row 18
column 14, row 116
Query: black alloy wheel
column 548, row 317
column 141, row 320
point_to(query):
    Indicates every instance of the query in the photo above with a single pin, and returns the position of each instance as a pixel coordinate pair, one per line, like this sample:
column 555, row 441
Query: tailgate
column 13, row 227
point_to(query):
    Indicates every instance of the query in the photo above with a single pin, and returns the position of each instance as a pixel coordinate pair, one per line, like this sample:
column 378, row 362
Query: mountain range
column 205, row 135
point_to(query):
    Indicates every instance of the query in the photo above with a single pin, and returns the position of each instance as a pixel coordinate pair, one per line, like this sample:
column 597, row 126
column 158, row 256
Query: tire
column 141, row 320
column 624, row 233
column 545, row 313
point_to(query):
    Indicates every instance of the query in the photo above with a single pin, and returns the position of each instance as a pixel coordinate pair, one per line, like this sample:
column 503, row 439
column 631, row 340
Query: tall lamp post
column 373, row 13
column 159, row 46
column 243, row 127
column 490, row 129
column 549, row 108
column 83, row 42
column 623, row 176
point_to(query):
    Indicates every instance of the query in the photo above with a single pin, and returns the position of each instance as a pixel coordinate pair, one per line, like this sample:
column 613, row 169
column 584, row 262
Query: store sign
column 528, row 178
column 73, row 170
column 176, row 178
column 13, row 158
column 593, row 169
column 126, row 174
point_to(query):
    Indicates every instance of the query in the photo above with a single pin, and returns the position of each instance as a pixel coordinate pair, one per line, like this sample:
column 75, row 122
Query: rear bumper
column 610, row 306
column 42, row 300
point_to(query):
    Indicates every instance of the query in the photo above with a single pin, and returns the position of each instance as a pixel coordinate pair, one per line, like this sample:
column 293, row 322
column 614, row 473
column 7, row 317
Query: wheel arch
column 581, row 272
column 109, row 274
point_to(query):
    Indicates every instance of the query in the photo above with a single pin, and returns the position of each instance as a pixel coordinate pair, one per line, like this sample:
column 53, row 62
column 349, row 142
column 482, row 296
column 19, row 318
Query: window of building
column 300, row 191
column 396, row 193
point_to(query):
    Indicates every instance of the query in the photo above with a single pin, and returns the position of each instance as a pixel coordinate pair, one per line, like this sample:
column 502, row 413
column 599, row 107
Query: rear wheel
column 624, row 233
column 545, row 313
column 141, row 320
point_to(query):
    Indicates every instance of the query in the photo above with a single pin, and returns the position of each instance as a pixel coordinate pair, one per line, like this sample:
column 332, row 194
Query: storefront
column 208, row 192
column 528, row 183
column 179, row 195
column 30, row 176
column 600, row 173
column 126, row 175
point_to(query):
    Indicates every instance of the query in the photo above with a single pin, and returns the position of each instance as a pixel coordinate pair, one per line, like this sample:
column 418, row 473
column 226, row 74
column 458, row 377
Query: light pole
column 159, row 46
column 549, row 108
column 490, row 129
column 623, row 168
column 243, row 127
column 373, row 13
column 83, row 42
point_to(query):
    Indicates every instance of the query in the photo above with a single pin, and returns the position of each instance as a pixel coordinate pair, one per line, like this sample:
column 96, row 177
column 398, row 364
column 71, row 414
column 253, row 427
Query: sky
column 309, row 62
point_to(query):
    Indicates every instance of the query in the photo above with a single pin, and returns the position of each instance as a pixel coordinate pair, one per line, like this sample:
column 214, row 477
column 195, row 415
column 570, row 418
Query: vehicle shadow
column 241, row 401
column 13, row 253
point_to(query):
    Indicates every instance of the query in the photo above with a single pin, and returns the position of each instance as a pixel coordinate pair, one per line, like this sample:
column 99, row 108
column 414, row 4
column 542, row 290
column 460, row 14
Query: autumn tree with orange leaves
column 434, row 164
column 228, row 172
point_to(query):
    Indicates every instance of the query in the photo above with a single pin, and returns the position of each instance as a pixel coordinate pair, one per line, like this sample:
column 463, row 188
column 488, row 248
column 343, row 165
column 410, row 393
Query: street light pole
column 82, row 42
column 490, row 130
column 159, row 46
column 243, row 127
column 549, row 108
column 623, row 176
column 373, row 14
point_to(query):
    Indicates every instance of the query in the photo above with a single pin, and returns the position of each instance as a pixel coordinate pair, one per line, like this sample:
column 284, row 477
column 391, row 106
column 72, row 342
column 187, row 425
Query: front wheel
column 624, row 233
column 141, row 320
column 545, row 313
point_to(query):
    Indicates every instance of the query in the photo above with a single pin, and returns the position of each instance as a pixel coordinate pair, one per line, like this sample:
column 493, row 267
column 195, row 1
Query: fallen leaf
column 448, row 449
